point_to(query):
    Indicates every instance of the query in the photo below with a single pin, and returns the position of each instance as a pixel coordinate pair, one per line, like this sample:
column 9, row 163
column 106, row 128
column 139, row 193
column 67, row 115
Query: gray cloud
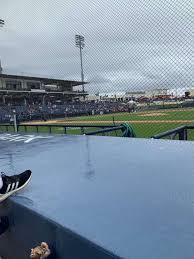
column 129, row 44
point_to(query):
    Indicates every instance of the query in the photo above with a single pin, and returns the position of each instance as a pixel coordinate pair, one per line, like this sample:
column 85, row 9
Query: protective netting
column 136, row 57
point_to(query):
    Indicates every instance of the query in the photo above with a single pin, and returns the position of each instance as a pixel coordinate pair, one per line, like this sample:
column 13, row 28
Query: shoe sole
column 6, row 195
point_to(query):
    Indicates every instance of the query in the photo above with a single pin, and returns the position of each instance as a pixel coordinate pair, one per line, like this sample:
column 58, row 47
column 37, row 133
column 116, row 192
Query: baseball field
column 145, row 124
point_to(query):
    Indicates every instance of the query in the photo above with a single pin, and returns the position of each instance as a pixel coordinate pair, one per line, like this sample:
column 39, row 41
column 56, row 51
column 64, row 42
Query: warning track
column 60, row 122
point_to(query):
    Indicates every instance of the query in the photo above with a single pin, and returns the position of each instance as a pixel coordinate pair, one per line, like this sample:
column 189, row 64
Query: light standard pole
column 15, row 121
column 80, row 43
column 2, row 22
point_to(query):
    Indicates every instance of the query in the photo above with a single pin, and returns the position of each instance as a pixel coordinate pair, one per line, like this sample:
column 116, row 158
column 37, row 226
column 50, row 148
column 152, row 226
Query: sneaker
column 12, row 184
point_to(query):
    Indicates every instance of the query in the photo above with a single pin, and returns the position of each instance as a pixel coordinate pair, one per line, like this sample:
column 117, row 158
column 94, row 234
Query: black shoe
column 4, row 224
column 12, row 184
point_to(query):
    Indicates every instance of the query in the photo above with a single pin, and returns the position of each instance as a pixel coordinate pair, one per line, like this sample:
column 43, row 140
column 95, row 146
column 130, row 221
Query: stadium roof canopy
column 44, row 80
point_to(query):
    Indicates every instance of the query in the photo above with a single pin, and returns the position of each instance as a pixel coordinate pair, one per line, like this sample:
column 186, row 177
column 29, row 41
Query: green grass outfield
column 145, row 124
column 172, row 115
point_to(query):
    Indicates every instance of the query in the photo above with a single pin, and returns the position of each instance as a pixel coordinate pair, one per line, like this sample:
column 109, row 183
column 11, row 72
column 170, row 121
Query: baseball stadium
column 146, row 124
column 99, row 166
column 45, row 105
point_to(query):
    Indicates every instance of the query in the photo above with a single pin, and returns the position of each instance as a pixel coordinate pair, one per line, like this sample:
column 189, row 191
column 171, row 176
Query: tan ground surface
column 106, row 122
column 171, row 110
column 153, row 114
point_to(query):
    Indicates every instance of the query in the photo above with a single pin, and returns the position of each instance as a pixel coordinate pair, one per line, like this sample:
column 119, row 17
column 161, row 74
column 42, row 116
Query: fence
column 123, row 130
column 184, row 132
column 138, row 67
column 180, row 133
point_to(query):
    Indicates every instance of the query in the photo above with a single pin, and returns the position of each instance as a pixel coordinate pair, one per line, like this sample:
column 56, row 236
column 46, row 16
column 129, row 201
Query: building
column 112, row 96
column 92, row 98
column 27, row 89
column 157, row 92
column 134, row 94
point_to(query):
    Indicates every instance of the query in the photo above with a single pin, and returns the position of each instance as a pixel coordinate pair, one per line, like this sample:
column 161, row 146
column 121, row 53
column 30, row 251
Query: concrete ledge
column 28, row 229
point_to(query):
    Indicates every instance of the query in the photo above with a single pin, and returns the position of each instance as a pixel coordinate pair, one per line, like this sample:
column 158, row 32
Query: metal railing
column 106, row 130
column 180, row 133
column 50, row 127
column 84, row 129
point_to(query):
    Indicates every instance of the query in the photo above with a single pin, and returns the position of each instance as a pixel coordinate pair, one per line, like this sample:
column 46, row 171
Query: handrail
column 181, row 131
column 99, row 129
column 51, row 126
column 169, row 132
column 105, row 130
column 61, row 125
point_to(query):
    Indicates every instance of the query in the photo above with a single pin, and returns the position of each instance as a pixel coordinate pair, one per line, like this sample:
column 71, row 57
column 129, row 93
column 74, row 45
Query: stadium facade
column 27, row 89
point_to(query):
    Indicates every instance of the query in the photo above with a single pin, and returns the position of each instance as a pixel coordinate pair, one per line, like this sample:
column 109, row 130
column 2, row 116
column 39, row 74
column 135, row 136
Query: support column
column 43, row 99
column 4, row 100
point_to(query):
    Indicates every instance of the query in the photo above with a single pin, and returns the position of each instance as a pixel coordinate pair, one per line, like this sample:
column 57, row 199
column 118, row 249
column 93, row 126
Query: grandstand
column 35, row 98
column 32, row 97
column 19, row 89
column 49, row 111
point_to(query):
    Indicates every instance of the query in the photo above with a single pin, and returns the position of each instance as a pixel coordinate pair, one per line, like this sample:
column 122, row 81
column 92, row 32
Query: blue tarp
column 100, row 197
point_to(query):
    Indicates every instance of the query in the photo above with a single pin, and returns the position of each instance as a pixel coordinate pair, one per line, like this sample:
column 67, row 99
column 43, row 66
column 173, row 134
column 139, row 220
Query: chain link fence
column 136, row 58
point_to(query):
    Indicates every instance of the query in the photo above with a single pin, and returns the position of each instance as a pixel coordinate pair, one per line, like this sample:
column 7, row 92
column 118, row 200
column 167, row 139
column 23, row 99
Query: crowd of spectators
column 50, row 111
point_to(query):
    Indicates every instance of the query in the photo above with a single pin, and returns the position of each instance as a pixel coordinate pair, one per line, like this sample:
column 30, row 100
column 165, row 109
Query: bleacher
column 44, row 112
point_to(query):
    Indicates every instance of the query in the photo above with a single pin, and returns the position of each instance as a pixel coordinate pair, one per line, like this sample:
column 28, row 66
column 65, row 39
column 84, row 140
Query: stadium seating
column 44, row 112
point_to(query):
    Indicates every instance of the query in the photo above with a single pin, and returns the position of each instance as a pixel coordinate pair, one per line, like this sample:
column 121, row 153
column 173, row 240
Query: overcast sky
column 130, row 44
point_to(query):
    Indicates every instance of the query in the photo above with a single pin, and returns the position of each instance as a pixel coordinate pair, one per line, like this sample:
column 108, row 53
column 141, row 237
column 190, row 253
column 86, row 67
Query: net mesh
column 136, row 57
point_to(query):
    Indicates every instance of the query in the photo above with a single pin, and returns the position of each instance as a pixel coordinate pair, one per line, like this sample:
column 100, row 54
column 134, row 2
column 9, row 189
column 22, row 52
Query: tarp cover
column 100, row 197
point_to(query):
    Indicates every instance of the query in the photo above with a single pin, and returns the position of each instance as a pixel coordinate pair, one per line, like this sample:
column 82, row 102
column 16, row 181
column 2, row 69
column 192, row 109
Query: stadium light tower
column 80, row 43
column 2, row 22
